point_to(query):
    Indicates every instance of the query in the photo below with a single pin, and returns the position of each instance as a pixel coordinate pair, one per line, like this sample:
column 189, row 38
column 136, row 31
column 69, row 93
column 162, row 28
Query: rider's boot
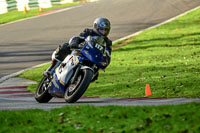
column 54, row 65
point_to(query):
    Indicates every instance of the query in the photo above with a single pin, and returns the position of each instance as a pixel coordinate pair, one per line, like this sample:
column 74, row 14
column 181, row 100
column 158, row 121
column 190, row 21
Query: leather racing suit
column 65, row 49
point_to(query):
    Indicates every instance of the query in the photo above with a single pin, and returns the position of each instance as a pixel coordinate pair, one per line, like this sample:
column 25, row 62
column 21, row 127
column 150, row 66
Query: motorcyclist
column 101, row 27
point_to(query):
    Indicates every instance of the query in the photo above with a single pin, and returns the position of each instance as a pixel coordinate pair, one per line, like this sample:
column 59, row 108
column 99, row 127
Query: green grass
column 166, row 57
column 17, row 15
column 106, row 119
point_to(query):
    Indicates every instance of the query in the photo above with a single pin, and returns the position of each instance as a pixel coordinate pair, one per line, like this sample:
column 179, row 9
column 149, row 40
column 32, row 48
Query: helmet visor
column 104, row 31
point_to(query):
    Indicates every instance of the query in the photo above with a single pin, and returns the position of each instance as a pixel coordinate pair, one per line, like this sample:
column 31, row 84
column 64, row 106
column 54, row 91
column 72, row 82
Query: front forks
column 76, row 73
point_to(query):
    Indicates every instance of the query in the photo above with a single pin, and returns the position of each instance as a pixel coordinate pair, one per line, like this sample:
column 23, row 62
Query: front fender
column 87, row 67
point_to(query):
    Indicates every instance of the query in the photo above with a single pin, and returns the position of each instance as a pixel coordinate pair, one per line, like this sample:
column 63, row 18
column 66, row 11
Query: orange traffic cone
column 41, row 9
column 148, row 90
column 25, row 9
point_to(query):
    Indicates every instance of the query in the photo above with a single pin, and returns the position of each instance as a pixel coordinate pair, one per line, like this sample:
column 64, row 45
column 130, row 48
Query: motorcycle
column 72, row 77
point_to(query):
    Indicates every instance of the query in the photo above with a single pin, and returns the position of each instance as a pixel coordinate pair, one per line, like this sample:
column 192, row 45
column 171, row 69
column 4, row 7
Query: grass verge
column 17, row 15
column 108, row 119
column 166, row 57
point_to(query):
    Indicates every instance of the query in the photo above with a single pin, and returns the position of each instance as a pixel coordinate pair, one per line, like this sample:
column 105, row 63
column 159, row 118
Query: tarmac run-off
column 17, row 97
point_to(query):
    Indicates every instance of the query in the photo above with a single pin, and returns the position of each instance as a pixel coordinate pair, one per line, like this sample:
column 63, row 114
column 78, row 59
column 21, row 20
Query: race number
column 99, row 47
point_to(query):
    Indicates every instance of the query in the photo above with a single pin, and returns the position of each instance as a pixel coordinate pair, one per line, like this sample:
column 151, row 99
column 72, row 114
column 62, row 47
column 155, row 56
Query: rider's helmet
column 102, row 26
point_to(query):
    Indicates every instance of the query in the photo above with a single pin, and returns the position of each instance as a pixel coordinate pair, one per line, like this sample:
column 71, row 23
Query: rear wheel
column 76, row 90
column 41, row 94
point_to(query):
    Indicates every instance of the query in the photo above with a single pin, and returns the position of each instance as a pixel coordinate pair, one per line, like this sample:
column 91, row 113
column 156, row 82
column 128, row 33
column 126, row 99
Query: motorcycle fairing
column 93, row 54
column 62, row 76
column 56, row 88
column 66, row 69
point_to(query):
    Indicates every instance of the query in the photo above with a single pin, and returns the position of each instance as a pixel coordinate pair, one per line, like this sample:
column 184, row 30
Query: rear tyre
column 76, row 90
column 41, row 94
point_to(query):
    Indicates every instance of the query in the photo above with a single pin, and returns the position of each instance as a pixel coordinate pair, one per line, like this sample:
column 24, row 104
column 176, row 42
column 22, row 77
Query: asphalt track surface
column 27, row 43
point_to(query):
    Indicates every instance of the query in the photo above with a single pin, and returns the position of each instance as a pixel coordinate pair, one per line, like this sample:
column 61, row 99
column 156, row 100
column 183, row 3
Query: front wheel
column 41, row 94
column 76, row 90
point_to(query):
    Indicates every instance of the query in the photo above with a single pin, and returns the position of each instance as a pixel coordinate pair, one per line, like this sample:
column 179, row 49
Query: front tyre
column 76, row 90
column 41, row 94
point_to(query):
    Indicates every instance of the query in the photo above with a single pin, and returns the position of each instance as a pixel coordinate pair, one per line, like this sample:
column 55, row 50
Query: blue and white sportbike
column 73, row 76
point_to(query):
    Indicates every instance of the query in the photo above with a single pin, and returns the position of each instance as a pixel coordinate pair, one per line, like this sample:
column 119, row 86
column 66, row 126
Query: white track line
column 19, row 72
column 169, row 20
column 126, row 37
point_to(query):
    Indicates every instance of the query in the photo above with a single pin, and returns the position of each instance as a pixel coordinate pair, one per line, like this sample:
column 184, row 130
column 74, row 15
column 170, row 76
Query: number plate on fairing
column 64, row 73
